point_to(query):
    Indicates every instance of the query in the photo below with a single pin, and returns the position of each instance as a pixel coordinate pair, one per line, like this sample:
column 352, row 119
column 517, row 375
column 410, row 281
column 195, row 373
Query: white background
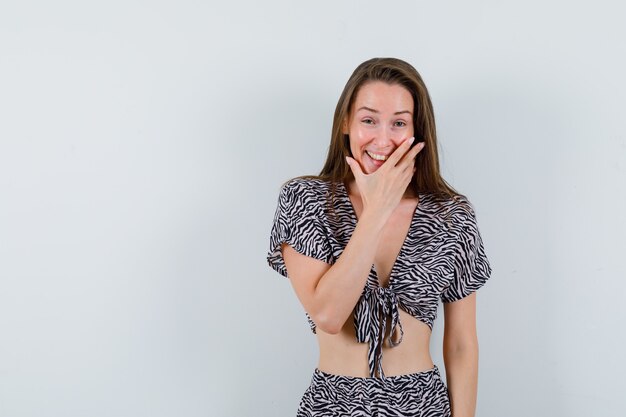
column 142, row 146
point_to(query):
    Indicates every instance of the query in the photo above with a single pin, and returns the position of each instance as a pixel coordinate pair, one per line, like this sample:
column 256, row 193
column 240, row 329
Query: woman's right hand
column 382, row 190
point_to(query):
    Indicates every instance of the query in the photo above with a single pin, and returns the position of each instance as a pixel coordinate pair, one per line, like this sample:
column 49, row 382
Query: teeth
column 378, row 157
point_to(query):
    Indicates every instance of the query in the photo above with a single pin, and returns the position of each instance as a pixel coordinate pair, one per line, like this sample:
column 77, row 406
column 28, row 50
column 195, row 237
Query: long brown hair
column 427, row 177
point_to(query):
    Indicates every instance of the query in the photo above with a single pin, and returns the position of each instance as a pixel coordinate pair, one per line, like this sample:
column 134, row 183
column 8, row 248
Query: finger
column 409, row 158
column 399, row 152
column 354, row 166
column 417, row 149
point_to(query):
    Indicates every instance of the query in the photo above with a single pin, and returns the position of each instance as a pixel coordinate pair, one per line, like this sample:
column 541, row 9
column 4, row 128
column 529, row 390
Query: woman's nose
column 384, row 138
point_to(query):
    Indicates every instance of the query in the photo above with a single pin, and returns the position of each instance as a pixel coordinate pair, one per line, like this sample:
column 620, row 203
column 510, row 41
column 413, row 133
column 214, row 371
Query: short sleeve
column 471, row 266
column 297, row 222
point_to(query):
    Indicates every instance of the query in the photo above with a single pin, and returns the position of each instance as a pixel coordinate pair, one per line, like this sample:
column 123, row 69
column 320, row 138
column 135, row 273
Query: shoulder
column 446, row 204
column 309, row 192
column 309, row 186
column 461, row 206
column 454, row 211
column 463, row 215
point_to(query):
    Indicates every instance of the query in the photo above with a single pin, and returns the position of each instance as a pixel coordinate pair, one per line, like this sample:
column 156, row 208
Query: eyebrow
column 376, row 111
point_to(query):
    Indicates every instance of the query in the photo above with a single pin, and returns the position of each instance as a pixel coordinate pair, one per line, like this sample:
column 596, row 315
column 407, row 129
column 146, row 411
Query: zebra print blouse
column 442, row 256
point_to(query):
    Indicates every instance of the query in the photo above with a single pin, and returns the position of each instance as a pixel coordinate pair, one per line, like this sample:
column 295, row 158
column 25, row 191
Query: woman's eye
column 368, row 121
column 400, row 123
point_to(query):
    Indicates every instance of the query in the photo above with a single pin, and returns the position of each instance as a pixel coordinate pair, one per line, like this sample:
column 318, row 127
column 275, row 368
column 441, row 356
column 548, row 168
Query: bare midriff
column 341, row 354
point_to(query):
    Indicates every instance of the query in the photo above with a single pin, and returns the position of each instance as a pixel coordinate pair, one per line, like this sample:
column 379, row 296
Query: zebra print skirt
column 421, row 394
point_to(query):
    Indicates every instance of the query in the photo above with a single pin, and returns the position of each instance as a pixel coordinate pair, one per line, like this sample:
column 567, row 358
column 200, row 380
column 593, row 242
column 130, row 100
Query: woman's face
column 380, row 120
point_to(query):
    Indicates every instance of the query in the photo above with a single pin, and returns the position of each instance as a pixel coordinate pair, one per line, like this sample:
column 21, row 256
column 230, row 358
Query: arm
column 460, row 355
column 329, row 292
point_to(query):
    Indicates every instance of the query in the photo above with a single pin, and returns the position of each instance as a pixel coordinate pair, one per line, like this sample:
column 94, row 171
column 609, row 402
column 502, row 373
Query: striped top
column 442, row 257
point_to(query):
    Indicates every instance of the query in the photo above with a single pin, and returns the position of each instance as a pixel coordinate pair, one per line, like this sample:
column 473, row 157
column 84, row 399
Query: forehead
column 383, row 97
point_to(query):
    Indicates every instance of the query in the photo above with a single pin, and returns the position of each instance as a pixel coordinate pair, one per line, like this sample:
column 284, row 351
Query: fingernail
column 347, row 161
column 411, row 140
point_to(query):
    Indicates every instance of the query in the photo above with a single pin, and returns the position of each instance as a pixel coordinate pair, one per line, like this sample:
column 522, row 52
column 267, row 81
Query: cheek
column 359, row 137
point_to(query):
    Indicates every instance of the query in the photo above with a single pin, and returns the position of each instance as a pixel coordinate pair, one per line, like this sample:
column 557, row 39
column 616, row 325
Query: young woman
column 371, row 244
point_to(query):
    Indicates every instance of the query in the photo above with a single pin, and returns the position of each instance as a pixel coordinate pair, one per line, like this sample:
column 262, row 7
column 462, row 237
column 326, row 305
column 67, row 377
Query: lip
column 375, row 162
column 378, row 153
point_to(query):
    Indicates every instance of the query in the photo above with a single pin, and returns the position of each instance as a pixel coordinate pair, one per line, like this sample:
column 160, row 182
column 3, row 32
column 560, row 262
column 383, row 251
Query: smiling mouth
column 377, row 157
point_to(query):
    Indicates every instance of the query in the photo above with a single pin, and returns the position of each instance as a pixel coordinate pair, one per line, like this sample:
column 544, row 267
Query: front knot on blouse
column 370, row 323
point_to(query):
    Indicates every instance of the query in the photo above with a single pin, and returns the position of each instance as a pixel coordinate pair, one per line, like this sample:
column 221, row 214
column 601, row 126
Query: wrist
column 374, row 221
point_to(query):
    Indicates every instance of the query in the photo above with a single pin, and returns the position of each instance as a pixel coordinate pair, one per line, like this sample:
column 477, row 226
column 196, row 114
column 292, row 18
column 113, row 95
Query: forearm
column 340, row 288
column 462, row 378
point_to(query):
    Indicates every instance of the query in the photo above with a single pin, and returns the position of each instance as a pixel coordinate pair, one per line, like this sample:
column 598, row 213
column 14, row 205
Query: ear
column 344, row 127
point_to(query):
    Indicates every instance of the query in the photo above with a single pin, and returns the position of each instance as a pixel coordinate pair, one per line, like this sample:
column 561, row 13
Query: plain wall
column 143, row 144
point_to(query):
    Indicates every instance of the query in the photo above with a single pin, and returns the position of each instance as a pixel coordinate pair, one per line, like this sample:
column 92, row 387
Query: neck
column 353, row 189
